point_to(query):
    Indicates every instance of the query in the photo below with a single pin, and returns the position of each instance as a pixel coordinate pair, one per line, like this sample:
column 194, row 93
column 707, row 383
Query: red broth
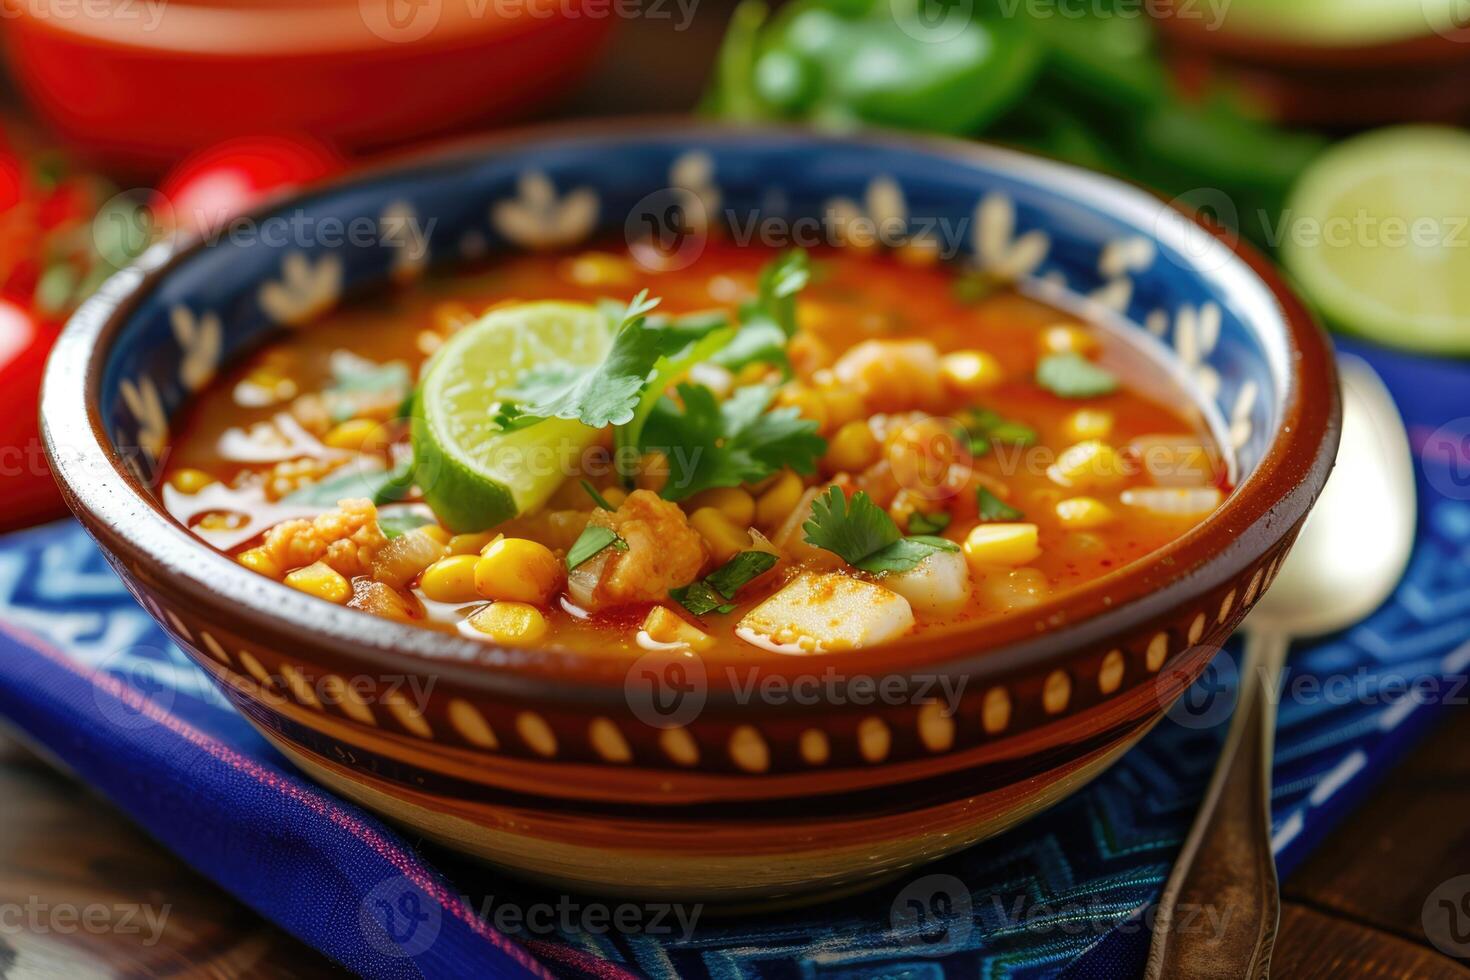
column 926, row 393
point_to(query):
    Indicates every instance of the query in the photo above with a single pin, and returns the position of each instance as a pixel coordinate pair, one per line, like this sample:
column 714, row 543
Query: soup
column 800, row 453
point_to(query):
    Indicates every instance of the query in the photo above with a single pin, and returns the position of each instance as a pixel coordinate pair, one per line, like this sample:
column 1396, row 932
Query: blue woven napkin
column 86, row 674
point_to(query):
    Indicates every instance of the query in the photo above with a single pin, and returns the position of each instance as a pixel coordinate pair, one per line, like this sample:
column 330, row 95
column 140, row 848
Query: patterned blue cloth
column 88, row 676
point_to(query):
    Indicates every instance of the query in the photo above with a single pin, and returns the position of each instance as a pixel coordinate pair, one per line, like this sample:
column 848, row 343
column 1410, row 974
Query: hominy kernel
column 1067, row 338
column 967, row 373
column 190, row 481
column 1088, row 423
column 781, row 499
column 470, row 544
column 852, row 449
column 724, row 538
column 1002, row 544
column 511, row 623
column 451, row 579
column 352, row 434
column 736, row 504
column 259, row 560
column 1083, row 513
column 321, row 580
column 517, row 570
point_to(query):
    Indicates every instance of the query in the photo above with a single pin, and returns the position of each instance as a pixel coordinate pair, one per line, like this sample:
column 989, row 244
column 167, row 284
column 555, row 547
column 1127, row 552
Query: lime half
column 473, row 474
column 1377, row 233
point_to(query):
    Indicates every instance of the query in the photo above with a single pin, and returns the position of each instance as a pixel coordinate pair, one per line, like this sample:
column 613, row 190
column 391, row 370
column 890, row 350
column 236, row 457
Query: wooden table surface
column 1352, row 911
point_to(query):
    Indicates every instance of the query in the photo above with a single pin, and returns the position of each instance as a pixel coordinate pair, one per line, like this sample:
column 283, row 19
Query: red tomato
column 26, row 485
column 223, row 180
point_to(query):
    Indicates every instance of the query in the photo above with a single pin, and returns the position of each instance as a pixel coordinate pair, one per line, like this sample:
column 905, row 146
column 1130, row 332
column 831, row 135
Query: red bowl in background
column 148, row 82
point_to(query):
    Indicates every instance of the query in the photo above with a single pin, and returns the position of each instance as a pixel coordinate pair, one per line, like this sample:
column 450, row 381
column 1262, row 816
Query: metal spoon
column 1346, row 562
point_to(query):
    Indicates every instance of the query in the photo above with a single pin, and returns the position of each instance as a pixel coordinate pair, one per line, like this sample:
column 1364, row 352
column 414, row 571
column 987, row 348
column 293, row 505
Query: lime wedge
column 1377, row 233
column 473, row 474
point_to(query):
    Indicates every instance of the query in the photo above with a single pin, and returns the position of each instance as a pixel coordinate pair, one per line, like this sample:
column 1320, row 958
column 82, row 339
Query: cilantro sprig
column 610, row 392
column 710, row 443
column 863, row 535
column 714, row 592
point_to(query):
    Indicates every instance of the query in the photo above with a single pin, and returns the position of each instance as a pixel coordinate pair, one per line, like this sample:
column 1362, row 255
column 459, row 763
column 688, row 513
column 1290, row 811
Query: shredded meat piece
column 346, row 538
column 892, row 375
column 664, row 552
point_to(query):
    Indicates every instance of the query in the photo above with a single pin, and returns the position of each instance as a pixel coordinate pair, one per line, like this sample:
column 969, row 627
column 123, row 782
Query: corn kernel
column 969, row 372
column 808, row 353
column 517, row 570
column 451, row 579
column 653, row 472
column 1067, row 338
column 321, row 580
column 853, row 448
column 725, row 539
column 805, row 400
column 222, row 520
column 1083, row 513
column 666, row 626
column 1002, row 544
column 614, row 496
column 259, row 560
column 736, row 504
column 511, row 623
column 439, row 534
column 470, row 544
column 190, row 481
column 352, row 434
column 779, row 500
column 599, row 269
column 1088, row 465
column 1088, row 423
column 843, row 404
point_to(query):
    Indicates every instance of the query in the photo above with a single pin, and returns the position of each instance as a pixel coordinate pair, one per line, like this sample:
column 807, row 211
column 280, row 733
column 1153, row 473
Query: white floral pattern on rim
column 305, row 290
column 201, row 339
column 536, row 218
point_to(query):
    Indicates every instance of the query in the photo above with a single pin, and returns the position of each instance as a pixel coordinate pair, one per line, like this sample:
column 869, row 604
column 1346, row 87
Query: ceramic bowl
column 673, row 777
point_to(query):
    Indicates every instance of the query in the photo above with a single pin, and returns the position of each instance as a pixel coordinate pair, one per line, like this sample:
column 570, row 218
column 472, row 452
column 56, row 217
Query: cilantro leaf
column 904, row 554
column 609, row 393
column 984, row 428
column 597, row 498
column 356, row 380
column 398, row 524
column 864, row 536
column 592, row 541
column 724, row 583
column 921, row 523
column 992, row 508
column 852, row 529
column 780, row 281
column 370, row 480
column 1071, row 375
column 713, row 444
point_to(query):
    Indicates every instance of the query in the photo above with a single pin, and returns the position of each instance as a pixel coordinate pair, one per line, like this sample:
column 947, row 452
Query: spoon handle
column 1218, row 914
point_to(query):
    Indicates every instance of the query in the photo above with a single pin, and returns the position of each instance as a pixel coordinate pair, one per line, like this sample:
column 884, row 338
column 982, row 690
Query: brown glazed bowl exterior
column 669, row 778
column 1425, row 78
